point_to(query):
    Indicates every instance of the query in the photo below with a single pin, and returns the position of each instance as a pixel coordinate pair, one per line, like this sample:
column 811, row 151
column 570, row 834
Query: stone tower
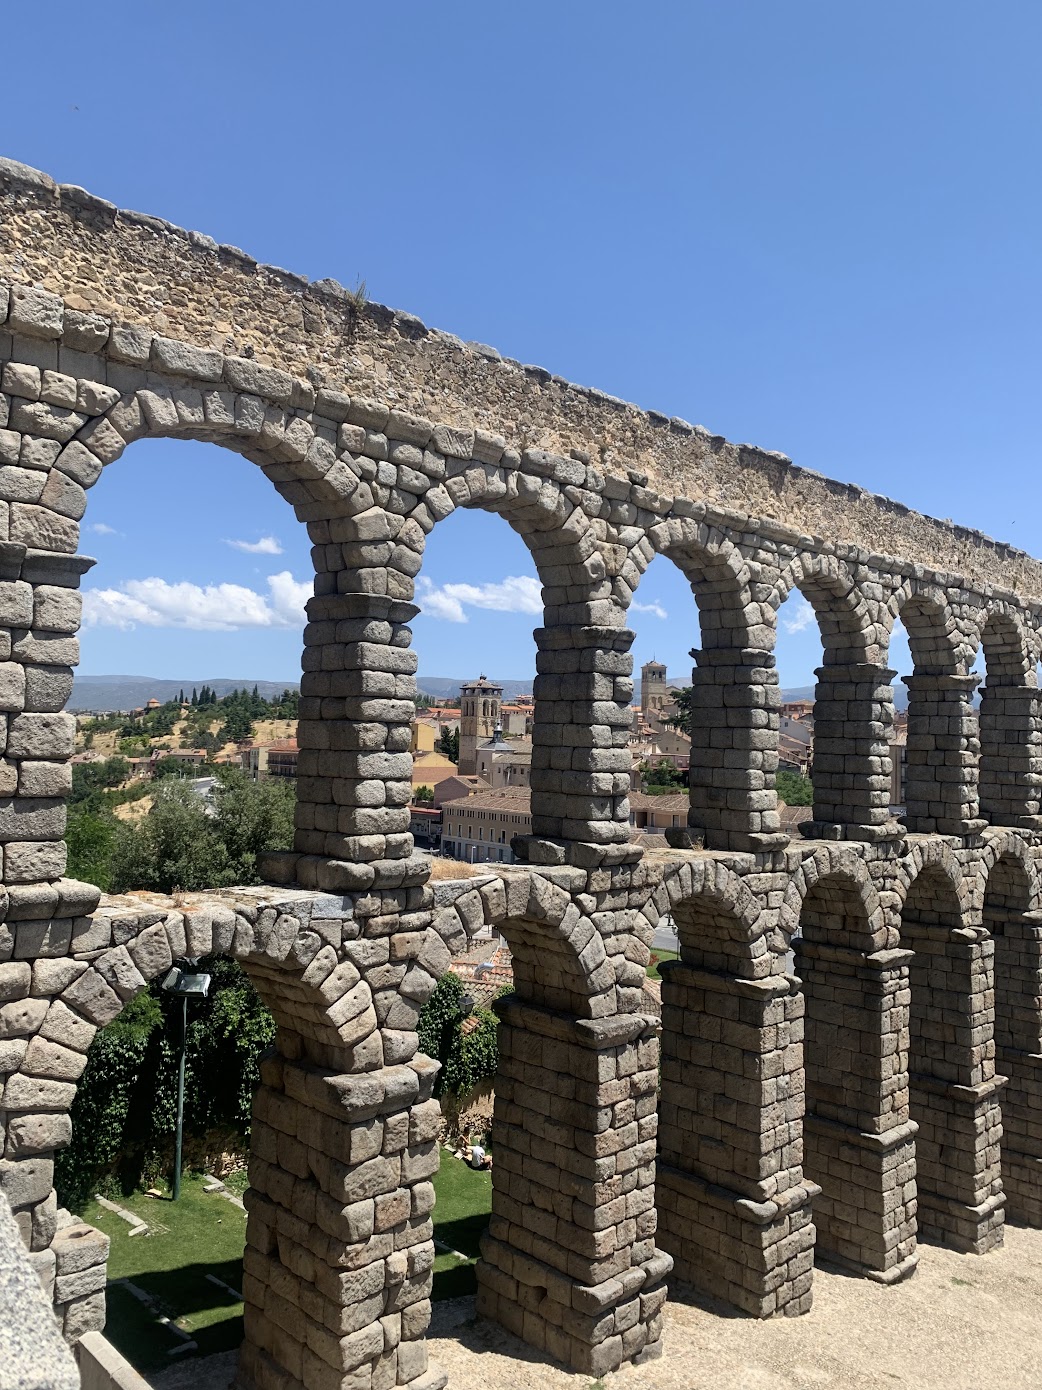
column 653, row 692
column 480, row 703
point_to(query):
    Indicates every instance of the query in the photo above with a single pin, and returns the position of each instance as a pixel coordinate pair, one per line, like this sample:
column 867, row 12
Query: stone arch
column 938, row 862
column 853, row 698
column 719, row 578
column 953, row 1086
column 1009, row 721
column 937, row 645
column 1010, row 914
column 329, row 1117
column 1007, row 649
column 735, row 689
column 559, row 960
column 720, row 922
column 848, row 630
column 575, row 1072
column 555, row 529
column 253, row 418
column 855, row 1080
column 731, row 1024
column 1014, row 852
column 839, row 873
column 941, row 775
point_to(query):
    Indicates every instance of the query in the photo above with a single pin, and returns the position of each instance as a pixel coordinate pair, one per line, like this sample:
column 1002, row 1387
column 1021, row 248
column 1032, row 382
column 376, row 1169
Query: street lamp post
column 186, row 980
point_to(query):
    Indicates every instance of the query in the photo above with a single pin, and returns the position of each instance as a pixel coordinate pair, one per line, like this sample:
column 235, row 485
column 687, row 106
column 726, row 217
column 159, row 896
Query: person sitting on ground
column 478, row 1158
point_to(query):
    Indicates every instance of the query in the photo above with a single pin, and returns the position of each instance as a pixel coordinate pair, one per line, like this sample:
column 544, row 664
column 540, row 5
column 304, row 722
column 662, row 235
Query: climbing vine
column 124, row 1113
column 466, row 1058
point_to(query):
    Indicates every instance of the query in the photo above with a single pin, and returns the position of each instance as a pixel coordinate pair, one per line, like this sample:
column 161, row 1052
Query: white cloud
column 201, row 608
column 100, row 529
column 801, row 617
column 654, row 608
column 518, row 593
column 267, row 545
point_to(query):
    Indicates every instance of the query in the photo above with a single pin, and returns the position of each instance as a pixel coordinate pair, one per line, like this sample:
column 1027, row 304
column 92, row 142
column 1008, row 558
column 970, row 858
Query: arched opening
column 304, row 1146
column 574, row 1092
column 951, row 1066
column 209, row 707
column 1009, row 727
column 857, row 1142
column 730, row 1184
column 802, row 734
column 941, row 743
column 1016, row 930
column 732, row 704
column 851, row 716
column 479, row 599
column 663, row 725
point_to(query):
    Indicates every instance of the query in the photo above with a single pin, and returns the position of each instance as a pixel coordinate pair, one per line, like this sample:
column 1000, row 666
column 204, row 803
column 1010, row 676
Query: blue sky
column 812, row 226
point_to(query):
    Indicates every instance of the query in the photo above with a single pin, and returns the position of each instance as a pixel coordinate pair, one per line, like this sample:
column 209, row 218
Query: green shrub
column 125, row 1108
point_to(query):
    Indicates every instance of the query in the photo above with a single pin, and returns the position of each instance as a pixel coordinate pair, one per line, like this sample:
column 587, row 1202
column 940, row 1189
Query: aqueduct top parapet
column 138, row 271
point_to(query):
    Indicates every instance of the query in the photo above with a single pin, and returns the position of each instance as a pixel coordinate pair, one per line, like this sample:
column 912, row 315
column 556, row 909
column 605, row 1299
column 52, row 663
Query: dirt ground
column 961, row 1323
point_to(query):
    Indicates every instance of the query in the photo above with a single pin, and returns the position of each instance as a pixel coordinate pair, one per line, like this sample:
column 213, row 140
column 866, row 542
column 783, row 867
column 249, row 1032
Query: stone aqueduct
column 891, row 1086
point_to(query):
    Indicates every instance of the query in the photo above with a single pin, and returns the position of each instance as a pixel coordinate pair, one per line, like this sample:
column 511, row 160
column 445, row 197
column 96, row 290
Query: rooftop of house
column 673, row 802
column 517, row 799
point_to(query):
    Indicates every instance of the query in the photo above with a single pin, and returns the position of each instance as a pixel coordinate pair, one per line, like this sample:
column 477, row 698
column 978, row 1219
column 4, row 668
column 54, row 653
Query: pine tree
column 195, row 697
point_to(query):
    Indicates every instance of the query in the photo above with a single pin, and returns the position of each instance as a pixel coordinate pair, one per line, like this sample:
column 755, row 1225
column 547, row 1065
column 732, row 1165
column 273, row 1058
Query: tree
column 175, row 846
column 448, row 744
column 251, row 818
column 793, row 789
column 662, row 773
column 171, row 767
column 423, row 795
column 183, row 843
column 90, row 835
column 683, row 720
column 124, row 1108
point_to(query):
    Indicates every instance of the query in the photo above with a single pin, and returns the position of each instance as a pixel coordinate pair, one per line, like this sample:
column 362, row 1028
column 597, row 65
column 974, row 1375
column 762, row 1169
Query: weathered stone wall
column 143, row 272
column 892, row 1084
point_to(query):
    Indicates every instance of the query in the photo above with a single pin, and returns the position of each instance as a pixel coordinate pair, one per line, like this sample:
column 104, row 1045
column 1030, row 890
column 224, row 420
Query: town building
column 654, row 693
column 480, row 703
column 505, row 762
column 457, row 786
column 479, row 828
column 430, row 768
column 517, row 719
column 425, row 826
column 277, row 759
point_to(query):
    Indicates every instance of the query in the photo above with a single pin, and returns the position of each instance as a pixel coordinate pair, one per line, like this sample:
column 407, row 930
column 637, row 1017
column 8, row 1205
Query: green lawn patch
column 204, row 1234
column 201, row 1234
column 656, row 958
column 461, row 1211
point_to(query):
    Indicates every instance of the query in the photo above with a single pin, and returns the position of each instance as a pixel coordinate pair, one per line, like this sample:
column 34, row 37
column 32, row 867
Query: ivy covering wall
column 124, row 1112
column 466, row 1058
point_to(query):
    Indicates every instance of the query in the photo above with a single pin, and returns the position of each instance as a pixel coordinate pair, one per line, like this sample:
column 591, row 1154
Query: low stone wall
column 102, row 1368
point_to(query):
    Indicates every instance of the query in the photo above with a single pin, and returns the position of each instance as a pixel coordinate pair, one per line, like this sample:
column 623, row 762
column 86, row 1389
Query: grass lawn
column 656, row 956
column 199, row 1235
column 461, row 1211
column 204, row 1234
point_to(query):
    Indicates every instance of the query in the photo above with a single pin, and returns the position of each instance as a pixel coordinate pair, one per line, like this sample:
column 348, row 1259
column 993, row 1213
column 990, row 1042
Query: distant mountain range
column 130, row 692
